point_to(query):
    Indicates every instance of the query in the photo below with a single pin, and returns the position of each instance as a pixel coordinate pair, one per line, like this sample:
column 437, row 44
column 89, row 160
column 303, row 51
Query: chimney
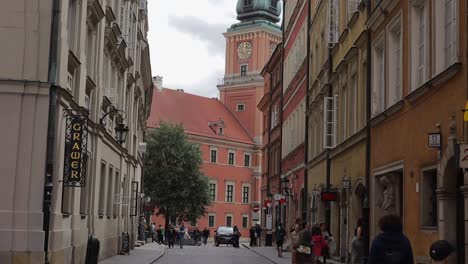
column 157, row 80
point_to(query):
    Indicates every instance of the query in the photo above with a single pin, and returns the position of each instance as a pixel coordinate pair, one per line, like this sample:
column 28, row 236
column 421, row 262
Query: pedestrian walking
column 183, row 233
column 205, row 235
column 329, row 240
column 252, row 236
column 258, row 234
column 304, row 253
column 280, row 233
column 357, row 248
column 237, row 235
column 159, row 234
column 295, row 242
column 171, row 236
column 391, row 246
column 153, row 232
column 196, row 236
column 320, row 245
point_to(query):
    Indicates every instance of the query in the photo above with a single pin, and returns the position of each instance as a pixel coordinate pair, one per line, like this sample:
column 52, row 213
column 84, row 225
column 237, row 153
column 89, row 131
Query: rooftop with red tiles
column 199, row 115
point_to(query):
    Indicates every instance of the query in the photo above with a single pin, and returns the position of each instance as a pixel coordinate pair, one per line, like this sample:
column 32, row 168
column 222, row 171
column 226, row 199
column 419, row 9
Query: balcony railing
column 239, row 79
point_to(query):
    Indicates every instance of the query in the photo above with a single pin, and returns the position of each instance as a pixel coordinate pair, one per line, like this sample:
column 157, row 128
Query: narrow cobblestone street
column 210, row 254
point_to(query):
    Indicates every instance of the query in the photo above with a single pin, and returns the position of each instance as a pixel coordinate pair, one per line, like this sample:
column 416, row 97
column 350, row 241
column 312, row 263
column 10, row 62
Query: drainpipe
column 328, row 165
column 52, row 78
column 281, row 102
column 306, row 132
column 365, row 206
column 269, row 141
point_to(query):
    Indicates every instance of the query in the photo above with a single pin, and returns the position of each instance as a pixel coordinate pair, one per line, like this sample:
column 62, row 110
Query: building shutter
column 329, row 122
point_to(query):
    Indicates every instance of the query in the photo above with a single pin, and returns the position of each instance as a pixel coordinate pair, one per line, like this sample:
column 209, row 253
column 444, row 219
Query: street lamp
column 121, row 130
column 285, row 184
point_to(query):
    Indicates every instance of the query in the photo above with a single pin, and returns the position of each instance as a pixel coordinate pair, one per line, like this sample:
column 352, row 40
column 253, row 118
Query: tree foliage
column 173, row 178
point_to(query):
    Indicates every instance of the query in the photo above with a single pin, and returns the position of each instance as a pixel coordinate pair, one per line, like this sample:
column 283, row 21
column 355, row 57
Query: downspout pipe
column 51, row 137
column 306, row 132
column 281, row 101
column 365, row 205
column 328, row 164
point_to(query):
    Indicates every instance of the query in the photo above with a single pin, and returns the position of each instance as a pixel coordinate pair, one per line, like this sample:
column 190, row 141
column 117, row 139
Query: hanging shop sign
column 329, row 196
column 76, row 138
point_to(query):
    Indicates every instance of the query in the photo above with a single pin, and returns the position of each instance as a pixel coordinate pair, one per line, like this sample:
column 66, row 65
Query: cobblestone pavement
column 211, row 255
column 146, row 254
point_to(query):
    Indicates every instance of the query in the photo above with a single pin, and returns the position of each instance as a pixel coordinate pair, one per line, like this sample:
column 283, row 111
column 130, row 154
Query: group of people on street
column 312, row 244
column 157, row 234
column 255, row 233
column 178, row 235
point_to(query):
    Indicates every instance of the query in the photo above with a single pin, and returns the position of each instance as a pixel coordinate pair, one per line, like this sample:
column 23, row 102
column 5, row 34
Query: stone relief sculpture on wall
column 387, row 200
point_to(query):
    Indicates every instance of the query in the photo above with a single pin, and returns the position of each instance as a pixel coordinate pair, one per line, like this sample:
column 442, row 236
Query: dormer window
column 247, row 2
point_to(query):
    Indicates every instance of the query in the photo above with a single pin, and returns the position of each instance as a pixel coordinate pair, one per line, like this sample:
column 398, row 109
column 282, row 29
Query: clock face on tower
column 244, row 50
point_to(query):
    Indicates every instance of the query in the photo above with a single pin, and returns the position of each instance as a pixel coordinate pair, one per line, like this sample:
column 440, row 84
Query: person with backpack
column 280, row 233
column 391, row 246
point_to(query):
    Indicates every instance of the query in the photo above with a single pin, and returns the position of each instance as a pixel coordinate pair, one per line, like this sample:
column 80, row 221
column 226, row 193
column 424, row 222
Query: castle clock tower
column 249, row 45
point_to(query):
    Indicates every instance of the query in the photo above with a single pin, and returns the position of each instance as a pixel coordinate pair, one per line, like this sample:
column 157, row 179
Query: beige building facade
column 337, row 117
column 93, row 63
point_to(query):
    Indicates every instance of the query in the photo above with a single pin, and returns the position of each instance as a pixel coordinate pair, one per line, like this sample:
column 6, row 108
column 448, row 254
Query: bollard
column 92, row 250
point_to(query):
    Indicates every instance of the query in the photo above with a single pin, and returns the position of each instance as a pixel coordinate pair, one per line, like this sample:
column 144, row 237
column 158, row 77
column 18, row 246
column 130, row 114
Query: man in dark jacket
column 252, row 236
column 391, row 246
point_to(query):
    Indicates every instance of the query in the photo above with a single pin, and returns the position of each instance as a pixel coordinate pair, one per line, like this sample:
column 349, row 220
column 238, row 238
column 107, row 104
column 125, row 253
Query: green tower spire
column 251, row 10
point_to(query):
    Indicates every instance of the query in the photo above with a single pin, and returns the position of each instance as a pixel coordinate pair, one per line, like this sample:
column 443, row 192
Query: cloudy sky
column 186, row 42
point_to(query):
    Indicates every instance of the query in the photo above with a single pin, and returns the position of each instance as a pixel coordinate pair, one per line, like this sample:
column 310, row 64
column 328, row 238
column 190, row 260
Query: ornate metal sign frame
column 76, row 143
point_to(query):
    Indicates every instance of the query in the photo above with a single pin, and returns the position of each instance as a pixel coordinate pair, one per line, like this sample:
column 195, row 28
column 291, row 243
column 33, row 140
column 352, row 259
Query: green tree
column 173, row 178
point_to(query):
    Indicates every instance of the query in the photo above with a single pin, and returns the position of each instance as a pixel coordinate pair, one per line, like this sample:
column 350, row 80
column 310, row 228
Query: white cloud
column 183, row 37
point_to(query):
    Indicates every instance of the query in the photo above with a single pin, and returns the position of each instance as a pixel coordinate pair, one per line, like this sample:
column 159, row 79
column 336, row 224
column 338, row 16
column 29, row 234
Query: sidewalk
column 146, row 254
column 271, row 254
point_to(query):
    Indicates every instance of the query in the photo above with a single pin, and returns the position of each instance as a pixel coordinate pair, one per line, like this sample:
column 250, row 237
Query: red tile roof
column 194, row 113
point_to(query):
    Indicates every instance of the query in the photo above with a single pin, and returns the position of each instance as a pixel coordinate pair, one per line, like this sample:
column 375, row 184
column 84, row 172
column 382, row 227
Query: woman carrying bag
column 304, row 254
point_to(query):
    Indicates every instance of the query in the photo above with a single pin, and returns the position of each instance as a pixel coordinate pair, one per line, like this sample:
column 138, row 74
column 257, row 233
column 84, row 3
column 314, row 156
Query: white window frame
column 214, row 219
column 250, row 159
column 213, row 149
column 247, row 223
column 378, row 76
column 419, row 43
column 353, row 95
column 333, row 21
column 233, row 152
column 395, row 57
column 240, row 110
column 248, row 193
column 233, row 192
column 450, row 32
column 329, row 122
column 215, row 189
column 246, row 69
column 232, row 220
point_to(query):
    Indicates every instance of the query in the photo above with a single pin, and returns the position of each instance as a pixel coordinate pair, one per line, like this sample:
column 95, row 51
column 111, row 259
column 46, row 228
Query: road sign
column 256, row 208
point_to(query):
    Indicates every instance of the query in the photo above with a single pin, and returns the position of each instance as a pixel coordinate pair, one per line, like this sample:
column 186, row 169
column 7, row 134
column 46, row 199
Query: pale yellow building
column 337, row 116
